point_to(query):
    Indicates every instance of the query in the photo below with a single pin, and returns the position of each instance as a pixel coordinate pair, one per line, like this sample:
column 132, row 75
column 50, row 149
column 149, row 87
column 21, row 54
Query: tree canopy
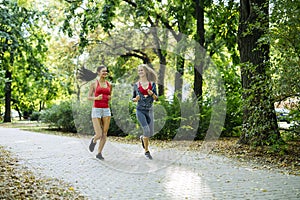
column 256, row 54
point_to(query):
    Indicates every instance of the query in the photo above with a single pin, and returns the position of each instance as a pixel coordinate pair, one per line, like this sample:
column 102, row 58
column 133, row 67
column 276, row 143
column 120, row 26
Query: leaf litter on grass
column 16, row 182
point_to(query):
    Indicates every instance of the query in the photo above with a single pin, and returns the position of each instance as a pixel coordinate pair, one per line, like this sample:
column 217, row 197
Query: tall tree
column 259, row 119
column 200, row 38
column 22, row 45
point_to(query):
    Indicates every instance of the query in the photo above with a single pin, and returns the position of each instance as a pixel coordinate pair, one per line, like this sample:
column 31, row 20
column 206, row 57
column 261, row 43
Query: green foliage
column 278, row 148
column 295, row 114
column 107, row 14
column 220, row 37
column 38, row 83
column 82, row 117
column 83, row 122
column 181, row 120
column 23, row 47
column 205, row 119
column 172, row 119
column 130, row 137
column 261, row 125
column 285, row 43
column 291, row 134
column 259, row 119
column 35, row 116
column 60, row 116
column 234, row 112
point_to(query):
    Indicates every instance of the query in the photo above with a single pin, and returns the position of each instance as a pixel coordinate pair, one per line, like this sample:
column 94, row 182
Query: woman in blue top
column 144, row 94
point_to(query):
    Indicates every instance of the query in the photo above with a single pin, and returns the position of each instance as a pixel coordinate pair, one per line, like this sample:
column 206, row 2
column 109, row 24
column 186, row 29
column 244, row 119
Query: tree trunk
column 179, row 76
column 161, row 74
column 19, row 112
column 7, row 114
column 198, row 67
column 259, row 119
column 162, row 61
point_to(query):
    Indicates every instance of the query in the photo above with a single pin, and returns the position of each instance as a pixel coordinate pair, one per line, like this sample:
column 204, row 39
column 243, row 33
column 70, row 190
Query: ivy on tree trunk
column 259, row 118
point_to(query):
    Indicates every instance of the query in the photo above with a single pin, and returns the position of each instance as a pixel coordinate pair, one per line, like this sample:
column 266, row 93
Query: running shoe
column 99, row 156
column 148, row 155
column 92, row 145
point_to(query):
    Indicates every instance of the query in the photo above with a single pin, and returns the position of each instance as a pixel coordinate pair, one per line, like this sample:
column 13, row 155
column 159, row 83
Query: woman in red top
column 100, row 93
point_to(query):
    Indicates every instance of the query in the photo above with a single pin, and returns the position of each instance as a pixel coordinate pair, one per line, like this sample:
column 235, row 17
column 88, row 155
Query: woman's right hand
column 98, row 97
column 137, row 97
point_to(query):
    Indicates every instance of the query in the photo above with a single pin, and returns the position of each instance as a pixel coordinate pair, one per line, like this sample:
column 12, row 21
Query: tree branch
column 131, row 3
column 163, row 20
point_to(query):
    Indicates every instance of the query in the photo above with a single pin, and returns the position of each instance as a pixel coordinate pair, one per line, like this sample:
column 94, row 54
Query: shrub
column 60, row 116
column 204, row 119
column 234, row 116
column 82, row 117
column 35, row 116
column 178, row 120
column 83, row 121
column 295, row 114
column 171, row 120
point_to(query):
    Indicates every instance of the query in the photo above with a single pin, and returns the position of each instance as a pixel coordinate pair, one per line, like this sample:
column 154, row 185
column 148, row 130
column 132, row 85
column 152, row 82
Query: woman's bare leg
column 105, row 123
column 97, row 129
column 146, row 143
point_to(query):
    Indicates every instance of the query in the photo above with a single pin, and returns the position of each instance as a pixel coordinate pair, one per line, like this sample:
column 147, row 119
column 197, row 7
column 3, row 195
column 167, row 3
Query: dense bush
column 80, row 114
column 234, row 100
column 114, row 129
column 82, row 117
column 181, row 120
column 173, row 120
column 35, row 116
column 123, row 121
column 234, row 116
column 83, row 121
column 60, row 116
column 204, row 119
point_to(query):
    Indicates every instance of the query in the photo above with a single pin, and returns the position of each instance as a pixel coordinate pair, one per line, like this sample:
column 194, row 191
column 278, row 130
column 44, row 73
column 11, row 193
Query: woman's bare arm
column 91, row 92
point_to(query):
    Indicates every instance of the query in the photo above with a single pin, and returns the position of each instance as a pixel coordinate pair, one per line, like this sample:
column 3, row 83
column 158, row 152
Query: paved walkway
column 127, row 174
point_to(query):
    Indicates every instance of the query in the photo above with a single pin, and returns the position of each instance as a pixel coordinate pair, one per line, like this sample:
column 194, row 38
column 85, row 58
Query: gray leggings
column 146, row 118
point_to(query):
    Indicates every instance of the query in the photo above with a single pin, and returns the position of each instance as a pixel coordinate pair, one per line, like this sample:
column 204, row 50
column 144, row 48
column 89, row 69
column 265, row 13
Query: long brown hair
column 85, row 74
column 150, row 73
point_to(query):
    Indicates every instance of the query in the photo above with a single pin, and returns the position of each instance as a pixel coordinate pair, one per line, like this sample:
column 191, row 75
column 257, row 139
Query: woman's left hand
column 150, row 92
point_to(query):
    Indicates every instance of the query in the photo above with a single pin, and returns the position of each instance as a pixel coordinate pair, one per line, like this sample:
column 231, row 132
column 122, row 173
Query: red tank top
column 103, row 103
column 144, row 91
